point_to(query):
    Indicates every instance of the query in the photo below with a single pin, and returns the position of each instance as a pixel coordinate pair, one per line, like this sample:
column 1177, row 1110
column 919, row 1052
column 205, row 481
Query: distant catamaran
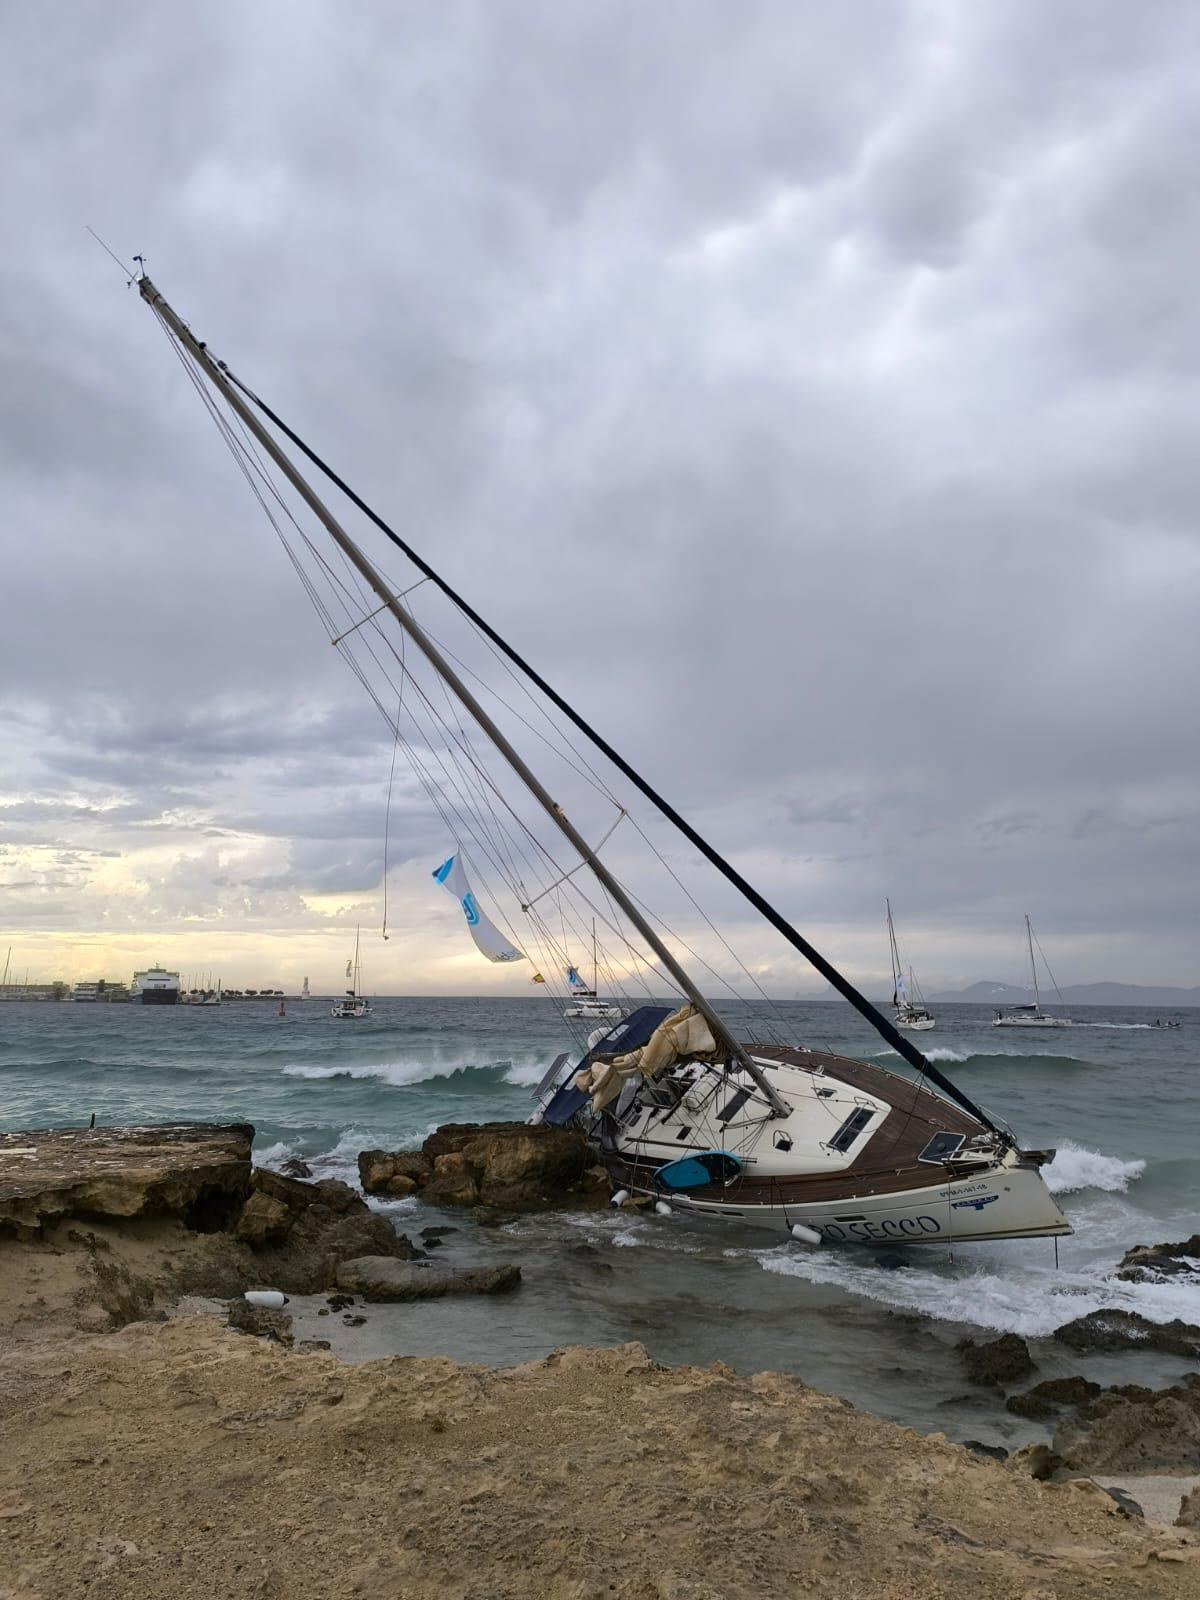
column 802, row 1141
column 1032, row 1016
column 911, row 1010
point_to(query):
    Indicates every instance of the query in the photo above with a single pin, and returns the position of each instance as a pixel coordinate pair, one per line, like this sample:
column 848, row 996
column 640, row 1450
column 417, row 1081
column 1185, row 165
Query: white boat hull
column 916, row 1024
column 1032, row 1022
column 1007, row 1201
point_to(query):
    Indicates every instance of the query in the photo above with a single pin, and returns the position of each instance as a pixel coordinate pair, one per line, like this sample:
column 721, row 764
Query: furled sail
column 487, row 936
column 683, row 1036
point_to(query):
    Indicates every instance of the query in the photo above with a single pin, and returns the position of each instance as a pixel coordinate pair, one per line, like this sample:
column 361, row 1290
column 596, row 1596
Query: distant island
column 1075, row 994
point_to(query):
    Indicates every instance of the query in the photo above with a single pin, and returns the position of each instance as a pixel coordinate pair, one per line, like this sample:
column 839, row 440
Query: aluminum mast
column 199, row 354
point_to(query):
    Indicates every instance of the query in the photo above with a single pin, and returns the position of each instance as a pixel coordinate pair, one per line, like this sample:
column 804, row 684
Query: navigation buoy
column 805, row 1235
column 619, row 1198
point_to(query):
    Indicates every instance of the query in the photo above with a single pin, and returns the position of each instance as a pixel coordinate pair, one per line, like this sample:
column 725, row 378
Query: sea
column 1116, row 1096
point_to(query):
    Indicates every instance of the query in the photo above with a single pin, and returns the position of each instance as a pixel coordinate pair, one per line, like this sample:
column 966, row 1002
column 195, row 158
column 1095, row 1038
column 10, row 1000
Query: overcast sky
column 810, row 391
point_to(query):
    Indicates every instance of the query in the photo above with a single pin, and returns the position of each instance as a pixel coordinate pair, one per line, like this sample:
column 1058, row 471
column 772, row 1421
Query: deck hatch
column 942, row 1147
column 851, row 1128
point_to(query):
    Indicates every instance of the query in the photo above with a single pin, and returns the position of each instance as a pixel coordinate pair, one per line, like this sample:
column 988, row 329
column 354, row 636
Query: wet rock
column 395, row 1172
column 354, row 1321
column 509, row 1166
column 1189, row 1510
column 196, row 1171
column 1128, row 1330
column 1131, row 1429
column 307, row 1346
column 999, row 1361
column 428, row 1235
column 1154, row 1263
column 1125, row 1500
column 1044, row 1399
column 891, row 1261
column 295, row 1168
column 260, row 1322
column 339, row 1302
column 989, row 1452
column 1035, row 1460
column 264, row 1221
column 381, row 1278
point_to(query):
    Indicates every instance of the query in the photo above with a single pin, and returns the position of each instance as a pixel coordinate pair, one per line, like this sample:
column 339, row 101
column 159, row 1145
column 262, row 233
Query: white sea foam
column 528, row 1076
column 939, row 1052
column 1074, row 1168
column 1029, row 1301
column 274, row 1155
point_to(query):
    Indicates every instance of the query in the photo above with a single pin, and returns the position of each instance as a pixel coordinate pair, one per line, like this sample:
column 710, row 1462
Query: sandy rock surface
column 180, row 1459
column 507, row 1165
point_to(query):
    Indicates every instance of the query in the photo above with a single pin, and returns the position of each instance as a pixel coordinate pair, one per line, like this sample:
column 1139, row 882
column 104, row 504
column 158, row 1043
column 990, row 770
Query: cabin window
column 851, row 1128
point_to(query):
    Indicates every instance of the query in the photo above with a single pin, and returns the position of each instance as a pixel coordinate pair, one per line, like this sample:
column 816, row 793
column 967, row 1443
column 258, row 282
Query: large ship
column 155, row 987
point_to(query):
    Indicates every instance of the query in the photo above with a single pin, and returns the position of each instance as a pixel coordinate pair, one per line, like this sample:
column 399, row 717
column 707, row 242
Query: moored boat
column 1031, row 1014
column 155, row 987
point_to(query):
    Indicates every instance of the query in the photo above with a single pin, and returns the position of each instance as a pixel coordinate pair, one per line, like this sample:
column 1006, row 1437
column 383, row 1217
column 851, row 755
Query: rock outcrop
column 508, row 1166
column 196, row 1171
column 1127, row 1330
column 1131, row 1429
column 383, row 1278
column 1154, row 1263
column 260, row 1321
column 999, row 1361
column 300, row 1232
column 1044, row 1399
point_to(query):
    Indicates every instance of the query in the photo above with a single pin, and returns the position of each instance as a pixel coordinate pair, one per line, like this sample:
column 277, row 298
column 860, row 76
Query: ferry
column 155, row 987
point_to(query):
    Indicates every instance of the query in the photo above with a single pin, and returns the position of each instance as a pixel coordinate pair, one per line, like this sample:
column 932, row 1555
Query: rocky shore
column 146, row 1452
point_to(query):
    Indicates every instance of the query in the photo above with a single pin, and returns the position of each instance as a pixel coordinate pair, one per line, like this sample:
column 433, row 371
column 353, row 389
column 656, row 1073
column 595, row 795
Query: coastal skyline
column 835, row 463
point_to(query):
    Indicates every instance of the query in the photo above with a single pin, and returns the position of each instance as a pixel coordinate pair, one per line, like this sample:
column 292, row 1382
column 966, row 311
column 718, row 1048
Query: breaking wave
column 1075, row 1168
column 408, row 1074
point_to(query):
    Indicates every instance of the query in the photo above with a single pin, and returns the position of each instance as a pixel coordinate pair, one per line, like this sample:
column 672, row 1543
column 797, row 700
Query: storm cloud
column 808, row 391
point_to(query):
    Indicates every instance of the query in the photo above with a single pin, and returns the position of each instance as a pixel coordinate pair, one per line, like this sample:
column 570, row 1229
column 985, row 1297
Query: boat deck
column 889, row 1163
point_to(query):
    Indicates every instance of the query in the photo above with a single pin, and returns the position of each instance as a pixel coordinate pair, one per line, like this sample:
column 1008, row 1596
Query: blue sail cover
column 629, row 1034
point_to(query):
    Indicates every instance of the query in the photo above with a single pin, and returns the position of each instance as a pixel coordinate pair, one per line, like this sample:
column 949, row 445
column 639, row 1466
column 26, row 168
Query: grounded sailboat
column 775, row 1133
column 911, row 1011
column 353, row 1003
column 1032, row 1016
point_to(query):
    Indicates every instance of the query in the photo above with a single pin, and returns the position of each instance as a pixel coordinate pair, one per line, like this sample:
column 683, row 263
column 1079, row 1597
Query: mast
column 904, row 1047
column 1037, row 999
column 595, row 963
column 217, row 377
column 895, row 954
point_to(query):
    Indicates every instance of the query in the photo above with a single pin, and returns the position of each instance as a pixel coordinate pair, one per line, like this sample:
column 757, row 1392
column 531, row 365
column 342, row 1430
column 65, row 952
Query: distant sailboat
column 353, row 1004
column 1032, row 1016
column 911, row 1010
column 586, row 1002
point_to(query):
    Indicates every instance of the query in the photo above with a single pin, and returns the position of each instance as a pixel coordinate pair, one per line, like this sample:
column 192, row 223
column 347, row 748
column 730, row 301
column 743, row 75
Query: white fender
column 663, row 1209
column 805, row 1235
column 533, row 1120
column 269, row 1299
column 619, row 1198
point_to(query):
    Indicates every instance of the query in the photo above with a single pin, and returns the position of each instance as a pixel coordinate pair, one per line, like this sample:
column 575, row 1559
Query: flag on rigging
column 537, row 978
column 487, row 936
column 349, row 969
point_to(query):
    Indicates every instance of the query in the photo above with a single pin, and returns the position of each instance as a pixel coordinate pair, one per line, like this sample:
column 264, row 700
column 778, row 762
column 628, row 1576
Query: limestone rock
column 1045, row 1398
column 1131, row 1429
column 1128, row 1330
column 197, row 1171
column 260, row 1321
column 295, row 1168
column 999, row 1361
column 383, row 1278
column 1189, row 1510
column 394, row 1172
column 508, row 1166
column 264, row 1221
column 1154, row 1263
column 1035, row 1460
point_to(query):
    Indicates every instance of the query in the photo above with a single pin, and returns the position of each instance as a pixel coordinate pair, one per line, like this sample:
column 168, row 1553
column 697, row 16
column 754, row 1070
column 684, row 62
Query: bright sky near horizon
column 807, row 390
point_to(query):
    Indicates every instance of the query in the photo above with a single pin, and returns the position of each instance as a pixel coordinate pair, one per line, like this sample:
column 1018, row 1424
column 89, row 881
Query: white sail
column 490, row 941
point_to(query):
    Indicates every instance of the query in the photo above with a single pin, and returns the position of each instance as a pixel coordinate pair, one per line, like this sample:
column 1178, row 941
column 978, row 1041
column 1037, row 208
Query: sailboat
column 353, row 1003
column 1032, row 1016
column 585, row 1002
column 800, row 1141
column 911, row 1010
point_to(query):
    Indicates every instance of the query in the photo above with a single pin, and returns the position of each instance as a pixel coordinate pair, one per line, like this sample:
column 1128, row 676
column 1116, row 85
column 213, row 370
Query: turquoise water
column 1117, row 1097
